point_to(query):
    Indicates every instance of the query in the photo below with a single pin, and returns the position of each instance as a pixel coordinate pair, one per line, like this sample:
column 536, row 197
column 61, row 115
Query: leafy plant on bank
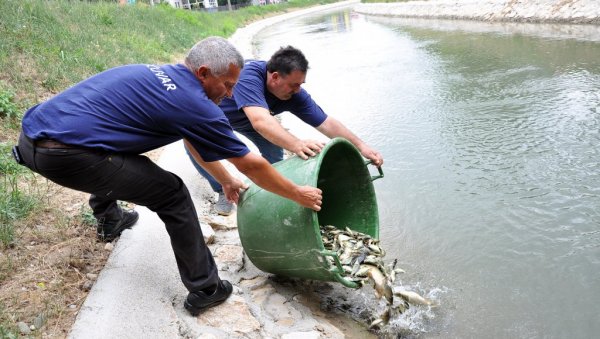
column 8, row 109
column 7, row 333
column 14, row 202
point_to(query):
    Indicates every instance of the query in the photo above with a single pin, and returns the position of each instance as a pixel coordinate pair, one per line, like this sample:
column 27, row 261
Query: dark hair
column 286, row 60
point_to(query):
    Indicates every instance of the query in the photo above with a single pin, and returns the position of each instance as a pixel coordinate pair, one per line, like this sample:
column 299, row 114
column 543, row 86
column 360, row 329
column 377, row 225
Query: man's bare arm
column 231, row 185
column 332, row 128
column 265, row 124
column 257, row 169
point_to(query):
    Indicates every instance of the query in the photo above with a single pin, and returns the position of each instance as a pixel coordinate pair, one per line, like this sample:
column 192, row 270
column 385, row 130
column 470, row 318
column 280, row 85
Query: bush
column 8, row 109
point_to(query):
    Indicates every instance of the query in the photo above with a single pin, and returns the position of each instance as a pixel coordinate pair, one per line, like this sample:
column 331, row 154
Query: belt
column 48, row 143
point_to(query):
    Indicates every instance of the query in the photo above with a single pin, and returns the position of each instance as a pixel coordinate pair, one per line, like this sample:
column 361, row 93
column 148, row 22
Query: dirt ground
column 49, row 269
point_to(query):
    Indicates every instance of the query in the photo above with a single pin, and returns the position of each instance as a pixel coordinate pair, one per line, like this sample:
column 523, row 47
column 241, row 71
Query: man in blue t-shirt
column 90, row 138
column 266, row 89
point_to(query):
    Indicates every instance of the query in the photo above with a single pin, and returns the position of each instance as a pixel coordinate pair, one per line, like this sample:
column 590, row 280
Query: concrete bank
column 139, row 293
column 546, row 11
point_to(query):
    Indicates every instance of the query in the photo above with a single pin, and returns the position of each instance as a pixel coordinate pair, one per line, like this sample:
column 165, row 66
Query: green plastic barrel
column 283, row 238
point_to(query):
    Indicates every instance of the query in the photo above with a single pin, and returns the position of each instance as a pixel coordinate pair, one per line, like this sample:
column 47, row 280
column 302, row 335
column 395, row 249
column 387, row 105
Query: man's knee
column 175, row 196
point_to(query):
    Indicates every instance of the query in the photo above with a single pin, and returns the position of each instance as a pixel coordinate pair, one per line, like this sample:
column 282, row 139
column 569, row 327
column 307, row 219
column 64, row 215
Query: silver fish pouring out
column 362, row 261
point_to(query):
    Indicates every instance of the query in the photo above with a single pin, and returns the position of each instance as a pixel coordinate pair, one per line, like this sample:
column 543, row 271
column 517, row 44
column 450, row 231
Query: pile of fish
column 361, row 258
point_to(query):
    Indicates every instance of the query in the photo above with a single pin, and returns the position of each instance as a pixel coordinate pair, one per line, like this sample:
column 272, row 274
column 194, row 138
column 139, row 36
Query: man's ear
column 202, row 73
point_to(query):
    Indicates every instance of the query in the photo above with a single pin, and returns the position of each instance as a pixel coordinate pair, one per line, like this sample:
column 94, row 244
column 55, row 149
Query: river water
column 490, row 134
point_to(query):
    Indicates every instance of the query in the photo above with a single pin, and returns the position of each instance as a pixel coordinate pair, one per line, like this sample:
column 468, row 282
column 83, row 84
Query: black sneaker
column 108, row 231
column 196, row 302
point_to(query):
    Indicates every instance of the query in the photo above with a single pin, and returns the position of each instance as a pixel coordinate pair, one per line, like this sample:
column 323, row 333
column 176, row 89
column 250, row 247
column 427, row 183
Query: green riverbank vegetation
column 49, row 256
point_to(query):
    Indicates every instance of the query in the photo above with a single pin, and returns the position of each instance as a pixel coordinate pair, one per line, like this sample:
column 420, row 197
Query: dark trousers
column 109, row 177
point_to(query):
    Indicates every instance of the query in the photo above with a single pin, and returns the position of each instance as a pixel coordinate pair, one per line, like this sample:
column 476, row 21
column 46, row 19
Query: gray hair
column 216, row 53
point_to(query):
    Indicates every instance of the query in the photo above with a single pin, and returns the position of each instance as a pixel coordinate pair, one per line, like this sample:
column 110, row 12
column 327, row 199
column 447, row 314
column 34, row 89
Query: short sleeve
column 214, row 140
column 305, row 108
column 250, row 89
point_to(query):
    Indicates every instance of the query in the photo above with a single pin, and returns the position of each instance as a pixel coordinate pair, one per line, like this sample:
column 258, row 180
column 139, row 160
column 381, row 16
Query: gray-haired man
column 90, row 138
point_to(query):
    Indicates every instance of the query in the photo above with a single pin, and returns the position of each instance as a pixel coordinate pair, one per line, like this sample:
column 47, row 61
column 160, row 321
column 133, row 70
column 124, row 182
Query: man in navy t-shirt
column 90, row 137
column 269, row 88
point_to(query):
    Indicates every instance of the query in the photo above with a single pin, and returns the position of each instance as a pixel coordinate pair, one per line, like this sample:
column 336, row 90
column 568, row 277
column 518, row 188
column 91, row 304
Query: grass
column 14, row 202
column 50, row 45
column 47, row 242
column 47, row 46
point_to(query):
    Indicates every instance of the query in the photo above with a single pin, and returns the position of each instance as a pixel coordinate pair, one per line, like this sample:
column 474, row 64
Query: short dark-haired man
column 269, row 88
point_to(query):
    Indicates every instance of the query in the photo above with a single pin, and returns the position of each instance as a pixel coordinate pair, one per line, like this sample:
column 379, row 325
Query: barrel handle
column 337, row 270
column 375, row 177
column 338, row 265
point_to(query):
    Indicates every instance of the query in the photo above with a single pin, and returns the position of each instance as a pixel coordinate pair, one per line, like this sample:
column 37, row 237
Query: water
column 490, row 135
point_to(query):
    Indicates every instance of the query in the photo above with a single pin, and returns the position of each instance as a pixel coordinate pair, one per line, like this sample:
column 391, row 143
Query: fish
column 361, row 258
column 358, row 260
column 391, row 275
column 373, row 260
column 349, row 231
column 346, row 256
column 362, row 271
column 358, row 246
column 380, row 284
column 375, row 248
column 392, row 272
column 343, row 238
column 383, row 319
column 411, row 297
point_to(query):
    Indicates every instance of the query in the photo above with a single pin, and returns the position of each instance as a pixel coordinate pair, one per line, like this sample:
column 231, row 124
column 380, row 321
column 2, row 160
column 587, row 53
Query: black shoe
column 108, row 231
column 196, row 302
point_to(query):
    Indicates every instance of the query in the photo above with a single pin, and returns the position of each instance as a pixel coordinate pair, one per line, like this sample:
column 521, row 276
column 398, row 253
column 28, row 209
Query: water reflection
column 337, row 22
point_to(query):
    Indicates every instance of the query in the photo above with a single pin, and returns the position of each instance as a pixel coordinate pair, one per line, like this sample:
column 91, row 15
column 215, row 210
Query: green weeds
column 8, row 333
column 15, row 203
column 86, row 216
column 8, row 109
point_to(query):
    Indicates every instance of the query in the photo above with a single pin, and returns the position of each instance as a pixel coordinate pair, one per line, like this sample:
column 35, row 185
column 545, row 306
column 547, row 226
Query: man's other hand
column 308, row 148
column 372, row 155
column 310, row 197
column 233, row 188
